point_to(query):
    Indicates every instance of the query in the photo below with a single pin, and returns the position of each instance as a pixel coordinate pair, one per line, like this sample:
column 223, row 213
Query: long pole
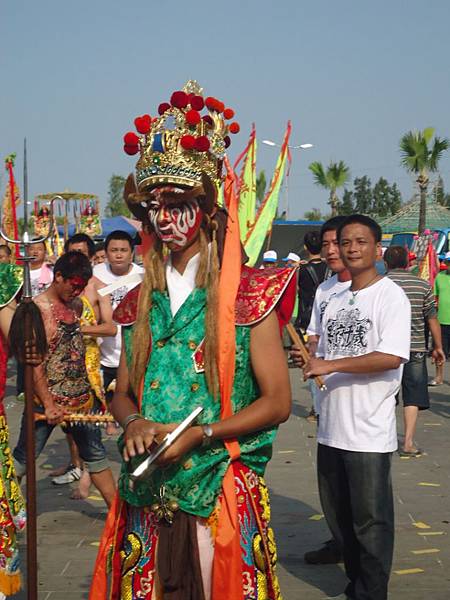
column 27, row 299
column 29, row 413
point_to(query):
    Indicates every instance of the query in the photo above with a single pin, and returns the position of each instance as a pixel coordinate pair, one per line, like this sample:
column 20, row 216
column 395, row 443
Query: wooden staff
column 28, row 311
column 298, row 341
column 81, row 418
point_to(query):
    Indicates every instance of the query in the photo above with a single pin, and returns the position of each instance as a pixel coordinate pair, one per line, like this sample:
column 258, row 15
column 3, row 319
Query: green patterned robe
column 173, row 388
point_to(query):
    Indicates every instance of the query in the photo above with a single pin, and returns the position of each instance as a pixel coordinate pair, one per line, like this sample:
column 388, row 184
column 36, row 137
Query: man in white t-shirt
column 120, row 275
column 364, row 340
column 329, row 553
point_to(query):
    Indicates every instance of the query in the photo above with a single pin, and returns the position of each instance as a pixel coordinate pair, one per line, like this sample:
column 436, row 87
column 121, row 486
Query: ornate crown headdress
column 181, row 144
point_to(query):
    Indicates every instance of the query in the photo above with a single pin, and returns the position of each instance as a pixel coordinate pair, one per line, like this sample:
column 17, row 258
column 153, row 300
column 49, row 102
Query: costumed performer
column 12, row 506
column 198, row 527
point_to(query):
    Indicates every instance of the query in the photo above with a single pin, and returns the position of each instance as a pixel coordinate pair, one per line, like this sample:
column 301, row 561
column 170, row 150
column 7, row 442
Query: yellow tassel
column 10, row 583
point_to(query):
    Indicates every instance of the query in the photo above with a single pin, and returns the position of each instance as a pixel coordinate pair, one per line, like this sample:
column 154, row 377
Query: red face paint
column 77, row 284
column 176, row 224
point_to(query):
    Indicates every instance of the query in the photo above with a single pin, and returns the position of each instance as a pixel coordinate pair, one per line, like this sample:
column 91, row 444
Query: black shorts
column 445, row 331
column 415, row 381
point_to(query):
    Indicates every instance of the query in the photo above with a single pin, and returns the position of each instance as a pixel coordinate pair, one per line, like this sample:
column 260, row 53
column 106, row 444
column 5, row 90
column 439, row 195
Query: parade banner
column 10, row 202
column 247, row 185
column 428, row 267
column 258, row 231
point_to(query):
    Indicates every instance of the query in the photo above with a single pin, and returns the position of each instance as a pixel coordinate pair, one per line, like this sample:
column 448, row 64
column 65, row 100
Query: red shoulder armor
column 262, row 290
column 126, row 312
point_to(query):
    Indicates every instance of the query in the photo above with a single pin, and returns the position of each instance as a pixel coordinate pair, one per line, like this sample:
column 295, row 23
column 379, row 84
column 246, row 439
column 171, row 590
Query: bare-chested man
column 96, row 322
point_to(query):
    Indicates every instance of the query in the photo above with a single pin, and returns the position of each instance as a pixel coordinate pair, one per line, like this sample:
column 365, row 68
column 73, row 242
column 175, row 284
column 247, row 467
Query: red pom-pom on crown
column 179, row 99
column 228, row 113
column 193, row 117
column 130, row 149
column 163, row 107
column 131, row 139
column 234, row 127
column 202, row 144
column 197, row 102
column 143, row 124
column 187, row 142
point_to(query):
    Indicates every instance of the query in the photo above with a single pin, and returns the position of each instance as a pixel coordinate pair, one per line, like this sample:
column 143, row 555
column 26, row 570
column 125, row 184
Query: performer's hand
column 188, row 440
column 296, row 355
column 316, row 366
column 438, row 356
column 140, row 435
column 54, row 414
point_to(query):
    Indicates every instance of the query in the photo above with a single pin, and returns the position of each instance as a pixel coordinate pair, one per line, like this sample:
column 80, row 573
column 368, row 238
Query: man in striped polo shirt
column 423, row 310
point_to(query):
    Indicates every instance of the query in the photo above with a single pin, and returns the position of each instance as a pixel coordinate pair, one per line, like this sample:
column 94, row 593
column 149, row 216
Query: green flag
column 258, row 231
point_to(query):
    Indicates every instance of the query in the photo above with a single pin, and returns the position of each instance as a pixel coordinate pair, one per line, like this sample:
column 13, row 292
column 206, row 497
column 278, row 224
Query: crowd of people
column 195, row 328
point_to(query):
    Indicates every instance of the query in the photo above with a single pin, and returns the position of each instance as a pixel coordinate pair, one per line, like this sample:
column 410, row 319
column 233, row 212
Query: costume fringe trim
column 10, row 583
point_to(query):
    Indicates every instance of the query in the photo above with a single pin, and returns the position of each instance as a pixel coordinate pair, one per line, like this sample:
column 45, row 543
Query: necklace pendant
column 351, row 301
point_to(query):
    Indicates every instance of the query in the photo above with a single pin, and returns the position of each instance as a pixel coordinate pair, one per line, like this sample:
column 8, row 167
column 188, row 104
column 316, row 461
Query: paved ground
column 68, row 530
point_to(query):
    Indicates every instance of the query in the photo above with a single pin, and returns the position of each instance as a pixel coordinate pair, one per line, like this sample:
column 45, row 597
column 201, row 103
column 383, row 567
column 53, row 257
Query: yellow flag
column 247, row 186
column 257, row 232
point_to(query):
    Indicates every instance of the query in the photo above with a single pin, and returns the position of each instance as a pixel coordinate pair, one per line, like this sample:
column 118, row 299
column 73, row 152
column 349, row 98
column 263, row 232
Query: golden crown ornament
column 188, row 138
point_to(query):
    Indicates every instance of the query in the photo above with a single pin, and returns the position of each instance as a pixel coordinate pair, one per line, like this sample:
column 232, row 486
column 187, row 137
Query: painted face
column 69, row 289
column 176, row 223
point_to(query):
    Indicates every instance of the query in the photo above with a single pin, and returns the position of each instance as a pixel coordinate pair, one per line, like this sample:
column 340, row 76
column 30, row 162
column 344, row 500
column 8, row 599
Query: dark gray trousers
column 356, row 494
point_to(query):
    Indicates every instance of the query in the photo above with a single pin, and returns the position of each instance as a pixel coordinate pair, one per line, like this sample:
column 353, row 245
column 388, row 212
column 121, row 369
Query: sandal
column 416, row 452
column 434, row 383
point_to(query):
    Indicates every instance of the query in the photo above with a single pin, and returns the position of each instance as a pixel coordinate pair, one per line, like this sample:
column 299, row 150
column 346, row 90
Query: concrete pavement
column 69, row 530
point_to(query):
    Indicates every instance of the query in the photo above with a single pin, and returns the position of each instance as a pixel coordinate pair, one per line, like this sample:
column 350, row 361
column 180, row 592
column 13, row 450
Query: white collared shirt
column 180, row 286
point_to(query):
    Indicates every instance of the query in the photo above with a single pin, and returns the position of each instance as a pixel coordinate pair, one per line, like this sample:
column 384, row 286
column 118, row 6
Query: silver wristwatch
column 207, row 435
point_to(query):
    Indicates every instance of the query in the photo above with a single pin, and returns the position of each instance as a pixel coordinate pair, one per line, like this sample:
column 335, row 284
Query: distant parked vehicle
column 441, row 242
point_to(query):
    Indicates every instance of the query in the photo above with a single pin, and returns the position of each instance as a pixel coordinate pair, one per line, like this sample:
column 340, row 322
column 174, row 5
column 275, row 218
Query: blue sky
column 353, row 76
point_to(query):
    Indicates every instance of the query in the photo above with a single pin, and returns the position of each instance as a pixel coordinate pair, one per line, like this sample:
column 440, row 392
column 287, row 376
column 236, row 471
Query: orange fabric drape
column 227, row 566
column 99, row 584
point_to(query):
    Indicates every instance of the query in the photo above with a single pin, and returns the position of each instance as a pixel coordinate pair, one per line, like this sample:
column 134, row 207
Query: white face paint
column 175, row 224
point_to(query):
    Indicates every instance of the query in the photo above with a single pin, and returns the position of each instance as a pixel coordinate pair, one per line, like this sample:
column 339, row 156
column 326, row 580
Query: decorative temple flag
column 10, row 201
column 247, row 185
column 428, row 267
column 257, row 232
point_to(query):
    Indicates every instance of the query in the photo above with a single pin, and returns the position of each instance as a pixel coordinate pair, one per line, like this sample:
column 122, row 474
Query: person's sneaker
column 329, row 554
column 72, row 474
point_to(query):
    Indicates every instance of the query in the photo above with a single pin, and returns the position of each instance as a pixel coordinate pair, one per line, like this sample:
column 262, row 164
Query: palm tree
column 333, row 177
column 421, row 155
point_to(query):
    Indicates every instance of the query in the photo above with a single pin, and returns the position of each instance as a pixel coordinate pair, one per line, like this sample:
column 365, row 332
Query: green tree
column 381, row 198
column 261, row 184
column 315, row 214
column 420, row 155
column 362, row 195
column 395, row 199
column 439, row 193
column 346, row 206
column 116, row 204
column 332, row 178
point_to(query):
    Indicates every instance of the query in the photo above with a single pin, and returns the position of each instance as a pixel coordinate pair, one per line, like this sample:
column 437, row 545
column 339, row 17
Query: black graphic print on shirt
column 347, row 333
column 323, row 305
column 118, row 295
